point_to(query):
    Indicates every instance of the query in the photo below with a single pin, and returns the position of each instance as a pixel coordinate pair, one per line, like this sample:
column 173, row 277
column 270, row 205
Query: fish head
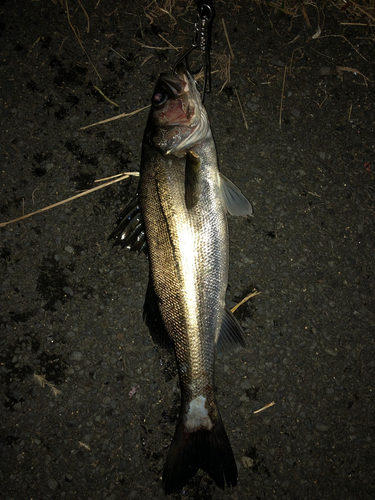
column 178, row 117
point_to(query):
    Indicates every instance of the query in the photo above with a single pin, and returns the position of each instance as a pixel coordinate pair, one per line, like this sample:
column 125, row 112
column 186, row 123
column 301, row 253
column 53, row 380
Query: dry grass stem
column 321, row 104
column 43, row 383
column 227, row 37
column 169, row 14
column 340, row 69
column 350, row 112
column 123, row 115
column 84, row 445
column 79, row 39
column 241, row 108
column 305, row 15
column 265, row 407
column 252, row 294
column 224, row 70
column 282, row 96
column 118, row 54
column 156, row 47
column 147, row 59
column 166, row 41
column 354, row 24
column 72, row 27
column 283, row 9
column 362, row 10
column 33, row 45
column 352, row 46
column 105, row 97
column 124, row 176
column 87, row 17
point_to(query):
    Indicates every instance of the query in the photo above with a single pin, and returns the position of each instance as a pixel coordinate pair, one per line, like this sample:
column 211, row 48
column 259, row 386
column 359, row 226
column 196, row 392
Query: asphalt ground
column 88, row 402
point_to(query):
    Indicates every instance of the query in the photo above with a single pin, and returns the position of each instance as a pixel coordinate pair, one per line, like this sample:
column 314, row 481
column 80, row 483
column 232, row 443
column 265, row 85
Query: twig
column 123, row 115
column 282, row 96
column 226, row 36
column 265, row 407
column 252, row 294
column 243, row 114
column 88, row 191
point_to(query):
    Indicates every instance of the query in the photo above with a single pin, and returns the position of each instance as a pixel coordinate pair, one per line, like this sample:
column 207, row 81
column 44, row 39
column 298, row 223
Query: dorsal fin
column 129, row 232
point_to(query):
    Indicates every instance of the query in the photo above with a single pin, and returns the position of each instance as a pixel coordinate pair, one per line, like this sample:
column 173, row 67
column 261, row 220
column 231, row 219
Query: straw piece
column 42, row 381
column 282, row 96
column 105, row 97
column 88, row 191
column 123, row 115
column 227, row 37
column 265, row 407
column 243, row 114
column 252, row 294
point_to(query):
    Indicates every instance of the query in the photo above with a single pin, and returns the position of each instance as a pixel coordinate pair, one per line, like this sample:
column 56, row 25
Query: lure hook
column 201, row 41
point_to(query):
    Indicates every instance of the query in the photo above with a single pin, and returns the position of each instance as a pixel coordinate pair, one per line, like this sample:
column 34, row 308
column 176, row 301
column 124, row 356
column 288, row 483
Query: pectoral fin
column 192, row 180
column 234, row 201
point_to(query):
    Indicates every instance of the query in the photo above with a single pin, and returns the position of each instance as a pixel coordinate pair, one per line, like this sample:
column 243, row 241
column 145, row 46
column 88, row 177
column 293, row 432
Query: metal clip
column 201, row 41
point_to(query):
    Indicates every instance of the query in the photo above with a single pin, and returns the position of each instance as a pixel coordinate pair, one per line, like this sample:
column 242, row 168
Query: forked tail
column 209, row 450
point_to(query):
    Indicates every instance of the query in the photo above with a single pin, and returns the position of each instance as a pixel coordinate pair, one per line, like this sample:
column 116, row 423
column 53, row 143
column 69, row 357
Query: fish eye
column 159, row 98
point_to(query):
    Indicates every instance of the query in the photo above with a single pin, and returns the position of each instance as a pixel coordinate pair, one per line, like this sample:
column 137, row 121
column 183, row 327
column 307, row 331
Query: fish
column 179, row 219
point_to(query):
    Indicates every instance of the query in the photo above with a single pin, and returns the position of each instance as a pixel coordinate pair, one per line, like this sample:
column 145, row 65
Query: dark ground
column 71, row 305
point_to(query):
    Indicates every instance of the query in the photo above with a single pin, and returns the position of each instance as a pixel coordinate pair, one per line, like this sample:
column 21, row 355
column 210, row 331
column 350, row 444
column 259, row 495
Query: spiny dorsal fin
column 129, row 232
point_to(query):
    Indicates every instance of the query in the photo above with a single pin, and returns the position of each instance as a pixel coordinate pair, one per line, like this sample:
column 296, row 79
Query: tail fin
column 209, row 450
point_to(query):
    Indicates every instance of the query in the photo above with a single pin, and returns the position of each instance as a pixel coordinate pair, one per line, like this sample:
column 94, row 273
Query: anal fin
column 231, row 333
